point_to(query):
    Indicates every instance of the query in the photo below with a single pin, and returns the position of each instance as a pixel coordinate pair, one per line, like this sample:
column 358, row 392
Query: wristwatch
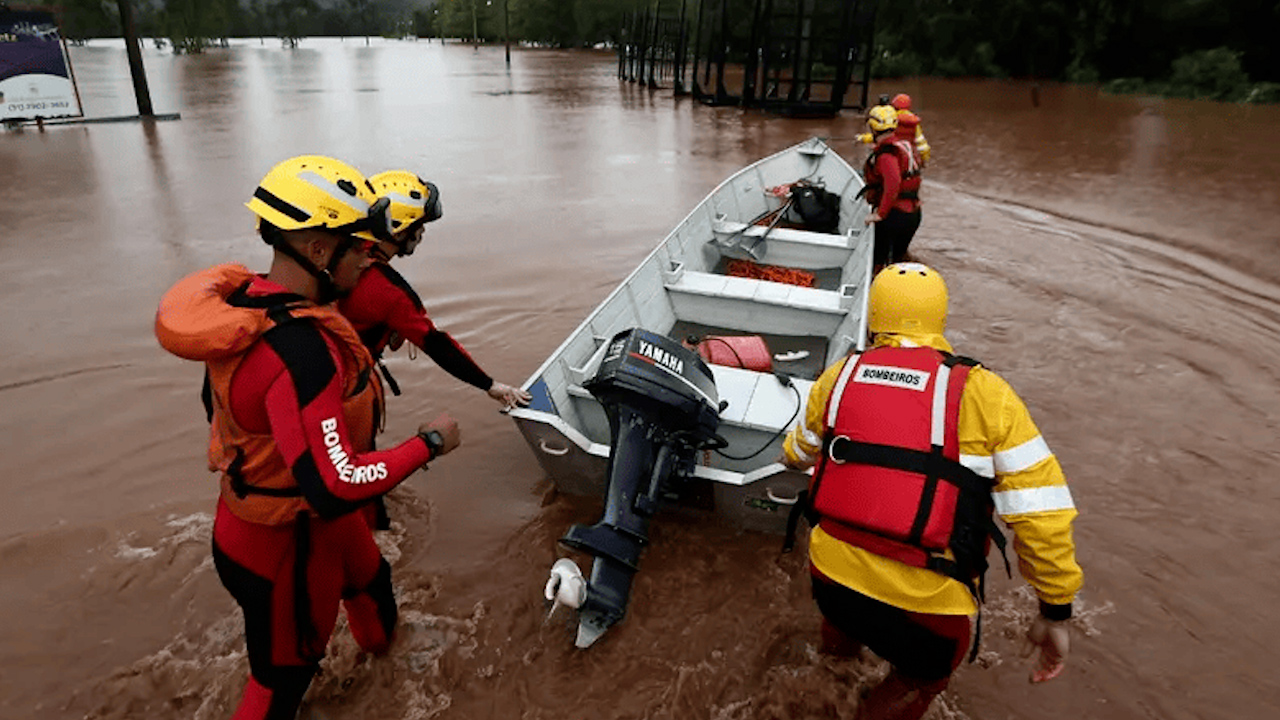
column 434, row 441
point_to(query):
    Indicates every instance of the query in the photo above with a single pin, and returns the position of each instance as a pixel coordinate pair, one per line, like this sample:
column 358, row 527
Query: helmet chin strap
column 327, row 290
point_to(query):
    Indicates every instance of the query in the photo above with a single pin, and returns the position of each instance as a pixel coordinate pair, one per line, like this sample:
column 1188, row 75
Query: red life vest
column 207, row 316
column 908, row 165
column 890, row 479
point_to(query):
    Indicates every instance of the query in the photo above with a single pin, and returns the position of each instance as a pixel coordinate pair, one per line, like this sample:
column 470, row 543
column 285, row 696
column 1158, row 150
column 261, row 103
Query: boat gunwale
column 556, row 354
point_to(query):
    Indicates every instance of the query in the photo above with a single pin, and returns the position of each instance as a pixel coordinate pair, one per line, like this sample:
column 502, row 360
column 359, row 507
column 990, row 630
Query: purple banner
column 35, row 72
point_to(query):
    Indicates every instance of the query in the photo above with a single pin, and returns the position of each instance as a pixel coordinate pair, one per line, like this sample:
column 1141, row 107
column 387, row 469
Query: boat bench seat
column 756, row 400
column 728, row 228
column 787, row 247
column 761, row 306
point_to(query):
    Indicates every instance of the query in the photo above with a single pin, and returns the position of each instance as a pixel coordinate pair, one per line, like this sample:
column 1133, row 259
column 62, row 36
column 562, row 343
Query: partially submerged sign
column 35, row 71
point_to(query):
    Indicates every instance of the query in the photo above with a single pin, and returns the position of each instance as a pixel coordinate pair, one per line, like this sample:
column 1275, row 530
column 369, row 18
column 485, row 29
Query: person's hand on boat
column 447, row 427
column 872, row 218
column 394, row 341
column 1053, row 642
column 510, row 397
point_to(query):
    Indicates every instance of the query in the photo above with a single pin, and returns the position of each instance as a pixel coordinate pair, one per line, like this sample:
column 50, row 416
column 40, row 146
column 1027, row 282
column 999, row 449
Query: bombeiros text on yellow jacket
column 199, row 319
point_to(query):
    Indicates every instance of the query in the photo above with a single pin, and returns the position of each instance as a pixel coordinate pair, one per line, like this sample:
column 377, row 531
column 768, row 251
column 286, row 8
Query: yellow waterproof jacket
column 922, row 145
column 998, row 440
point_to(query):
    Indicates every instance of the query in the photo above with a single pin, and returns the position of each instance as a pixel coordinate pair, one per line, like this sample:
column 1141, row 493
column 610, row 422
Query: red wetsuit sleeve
column 891, row 177
column 385, row 295
column 303, row 406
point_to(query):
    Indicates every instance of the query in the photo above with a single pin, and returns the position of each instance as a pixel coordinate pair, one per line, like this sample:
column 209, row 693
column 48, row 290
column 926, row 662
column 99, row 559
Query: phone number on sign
column 29, row 106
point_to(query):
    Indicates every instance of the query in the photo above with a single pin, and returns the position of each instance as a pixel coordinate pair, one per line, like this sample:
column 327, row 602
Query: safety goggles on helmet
column 433, row 210
column 414, row 202
column 377, row 222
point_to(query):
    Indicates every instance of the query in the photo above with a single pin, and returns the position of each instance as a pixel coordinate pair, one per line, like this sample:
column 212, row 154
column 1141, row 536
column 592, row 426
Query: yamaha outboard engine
column 662, row 406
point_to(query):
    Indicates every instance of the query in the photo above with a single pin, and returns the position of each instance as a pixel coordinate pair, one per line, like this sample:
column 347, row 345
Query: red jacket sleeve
column 384, row 297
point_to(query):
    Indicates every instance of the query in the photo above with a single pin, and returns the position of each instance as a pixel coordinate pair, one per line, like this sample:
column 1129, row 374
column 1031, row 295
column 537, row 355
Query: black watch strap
column 434, row 441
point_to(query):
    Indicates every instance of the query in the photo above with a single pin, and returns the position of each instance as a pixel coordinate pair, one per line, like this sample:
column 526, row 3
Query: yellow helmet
column 312, row 191
column 414, row 201
column 881, row 118
column 908, row 298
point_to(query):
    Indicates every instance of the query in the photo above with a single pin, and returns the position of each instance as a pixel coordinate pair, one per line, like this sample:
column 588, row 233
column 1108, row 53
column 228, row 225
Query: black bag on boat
column 818, row 208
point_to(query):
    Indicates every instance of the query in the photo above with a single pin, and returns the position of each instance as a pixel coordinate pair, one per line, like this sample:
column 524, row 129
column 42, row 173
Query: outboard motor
column 663, row 407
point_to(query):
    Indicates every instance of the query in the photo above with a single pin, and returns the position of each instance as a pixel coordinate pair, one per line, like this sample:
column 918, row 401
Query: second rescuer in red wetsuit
column 293, row 414
column 384, row 308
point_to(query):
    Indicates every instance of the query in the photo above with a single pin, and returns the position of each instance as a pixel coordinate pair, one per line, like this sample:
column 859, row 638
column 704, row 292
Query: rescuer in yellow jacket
column 897, row 565
column 901, row 104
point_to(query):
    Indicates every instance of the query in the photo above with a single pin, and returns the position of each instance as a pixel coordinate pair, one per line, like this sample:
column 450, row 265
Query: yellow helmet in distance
column 414, row 202
column 907, row 298
column 881, row 118
column 313, row 191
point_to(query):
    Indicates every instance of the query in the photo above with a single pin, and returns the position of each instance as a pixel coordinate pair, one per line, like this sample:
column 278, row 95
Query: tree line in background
column 1219, row 49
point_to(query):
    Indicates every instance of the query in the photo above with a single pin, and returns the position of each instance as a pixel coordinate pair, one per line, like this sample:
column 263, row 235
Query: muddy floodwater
column 1117, row 259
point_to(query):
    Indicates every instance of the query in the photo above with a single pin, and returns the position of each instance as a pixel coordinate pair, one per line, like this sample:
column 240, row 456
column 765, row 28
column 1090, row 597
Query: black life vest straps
column 242, row 489
column 278, row 306
column 930, row 463
column 391, row 381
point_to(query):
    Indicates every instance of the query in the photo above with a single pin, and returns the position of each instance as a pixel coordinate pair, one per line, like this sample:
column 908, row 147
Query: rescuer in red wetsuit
column 384, row 308
column 386, row 311
column 294, row 409
column 892, row 175
column 915, row 451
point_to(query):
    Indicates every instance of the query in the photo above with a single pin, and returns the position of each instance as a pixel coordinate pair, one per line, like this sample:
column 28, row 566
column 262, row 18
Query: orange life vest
column 207, row 316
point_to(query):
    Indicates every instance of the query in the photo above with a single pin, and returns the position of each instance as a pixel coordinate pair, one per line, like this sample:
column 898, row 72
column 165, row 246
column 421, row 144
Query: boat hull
column 685, row 287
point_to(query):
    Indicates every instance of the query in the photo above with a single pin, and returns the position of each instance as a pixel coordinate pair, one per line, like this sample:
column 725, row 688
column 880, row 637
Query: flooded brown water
column 1117, row 259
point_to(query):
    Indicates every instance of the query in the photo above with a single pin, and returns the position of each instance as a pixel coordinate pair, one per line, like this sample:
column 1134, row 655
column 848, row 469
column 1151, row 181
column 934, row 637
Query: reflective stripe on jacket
column 890, row 480
column 997, row 439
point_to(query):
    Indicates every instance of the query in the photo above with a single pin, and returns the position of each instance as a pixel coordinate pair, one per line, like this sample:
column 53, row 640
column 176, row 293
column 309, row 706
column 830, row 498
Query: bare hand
column 872, row 218
column 1054, row 643
column 510, row 397
column 448, row 429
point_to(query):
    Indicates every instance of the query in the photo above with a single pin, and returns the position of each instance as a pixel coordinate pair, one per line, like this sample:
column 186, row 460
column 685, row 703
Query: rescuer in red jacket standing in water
column 892, row 175
column 294, row 412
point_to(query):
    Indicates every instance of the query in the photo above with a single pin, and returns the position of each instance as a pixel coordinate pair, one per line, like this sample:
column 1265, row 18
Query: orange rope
column 748, row 269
